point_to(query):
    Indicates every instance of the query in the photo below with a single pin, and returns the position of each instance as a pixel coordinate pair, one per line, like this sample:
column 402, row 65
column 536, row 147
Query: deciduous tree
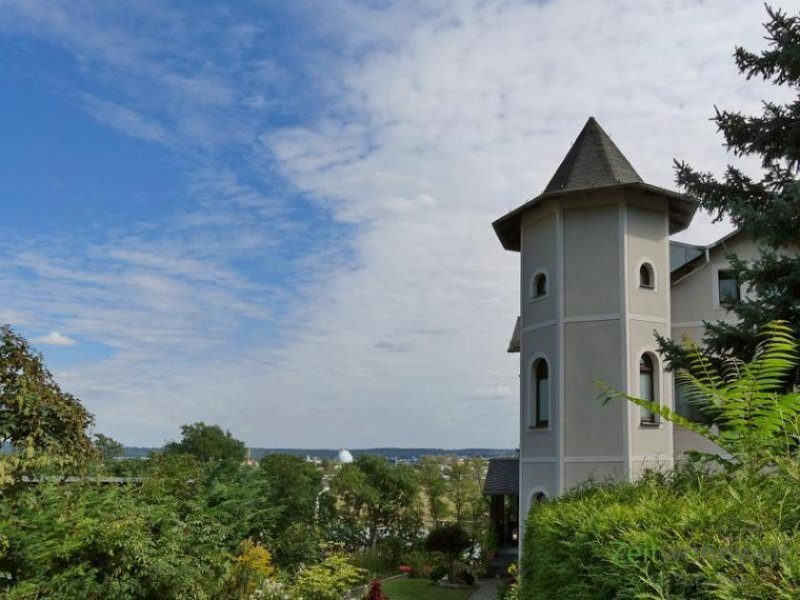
column 45, row 426
column 207, row 443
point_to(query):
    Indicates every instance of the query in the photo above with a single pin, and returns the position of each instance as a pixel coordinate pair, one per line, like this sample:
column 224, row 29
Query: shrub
column 84, row 540
column 689, row 535
column 437, row 572
column 251, row 567
column 421, row 563
column 327, row 580
column 451, row 540
column 372, row 561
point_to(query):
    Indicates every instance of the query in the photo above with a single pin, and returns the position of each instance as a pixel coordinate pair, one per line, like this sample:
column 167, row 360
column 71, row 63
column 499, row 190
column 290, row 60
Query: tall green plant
column 754, row 419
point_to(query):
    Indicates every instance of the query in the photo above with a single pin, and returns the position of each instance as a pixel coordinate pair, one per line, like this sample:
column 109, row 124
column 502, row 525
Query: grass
column 422, row 589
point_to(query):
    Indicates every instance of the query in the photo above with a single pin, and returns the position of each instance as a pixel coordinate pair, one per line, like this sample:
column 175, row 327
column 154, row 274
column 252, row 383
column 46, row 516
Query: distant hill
column 329, row 453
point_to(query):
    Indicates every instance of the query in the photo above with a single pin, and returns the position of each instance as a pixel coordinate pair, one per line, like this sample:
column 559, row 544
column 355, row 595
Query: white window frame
column 530, row 395
column 650, row 263
column 532, row 297
column 715, row 288
column 658, row 384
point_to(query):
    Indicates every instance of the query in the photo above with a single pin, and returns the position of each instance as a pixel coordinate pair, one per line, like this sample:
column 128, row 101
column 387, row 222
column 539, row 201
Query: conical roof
column 593, row 161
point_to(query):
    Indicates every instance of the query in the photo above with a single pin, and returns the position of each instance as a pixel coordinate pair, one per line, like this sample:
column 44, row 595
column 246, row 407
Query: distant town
column 394, row 455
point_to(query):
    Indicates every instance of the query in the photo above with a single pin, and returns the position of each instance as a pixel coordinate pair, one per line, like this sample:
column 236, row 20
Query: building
column 598, row 276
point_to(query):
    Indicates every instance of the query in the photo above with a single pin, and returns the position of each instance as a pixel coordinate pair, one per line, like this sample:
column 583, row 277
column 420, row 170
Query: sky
column 276, row 216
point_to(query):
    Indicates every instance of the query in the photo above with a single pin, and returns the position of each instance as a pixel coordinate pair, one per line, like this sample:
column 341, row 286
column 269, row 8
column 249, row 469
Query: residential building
column 599, row 277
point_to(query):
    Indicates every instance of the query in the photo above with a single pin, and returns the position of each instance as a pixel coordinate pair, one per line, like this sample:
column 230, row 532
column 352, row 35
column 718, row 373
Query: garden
column 196, row 520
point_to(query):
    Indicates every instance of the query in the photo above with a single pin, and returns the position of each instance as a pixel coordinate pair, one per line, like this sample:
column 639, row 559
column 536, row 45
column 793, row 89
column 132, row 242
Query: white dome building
column 344, row 458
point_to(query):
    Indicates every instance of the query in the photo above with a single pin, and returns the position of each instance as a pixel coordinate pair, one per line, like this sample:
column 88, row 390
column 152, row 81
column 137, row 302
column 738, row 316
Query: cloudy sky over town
column 276, row 216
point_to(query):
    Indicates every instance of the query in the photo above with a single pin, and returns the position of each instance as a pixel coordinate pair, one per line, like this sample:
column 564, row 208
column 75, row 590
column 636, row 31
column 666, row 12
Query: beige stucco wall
column 648, row 242
column 536, row 477
column 577, row 474
column 591, row 260
column 535, row 344
column 695, row 299
column 592, row 354
column 539, row 255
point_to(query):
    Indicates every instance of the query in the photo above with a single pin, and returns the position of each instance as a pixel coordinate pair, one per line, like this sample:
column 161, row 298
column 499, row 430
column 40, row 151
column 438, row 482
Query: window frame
column 719, row 303
column 533, row 296
column 648, row 418
column 648, row 265
column 533, row 417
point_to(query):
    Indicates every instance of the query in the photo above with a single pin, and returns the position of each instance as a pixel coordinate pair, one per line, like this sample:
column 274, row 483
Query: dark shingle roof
column 502, row 479
column 593, row 161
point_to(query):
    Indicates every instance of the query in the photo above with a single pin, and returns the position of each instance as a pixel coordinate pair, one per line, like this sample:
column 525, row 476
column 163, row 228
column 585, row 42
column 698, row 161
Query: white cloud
column 126, row 120
column 54, row 339
column 439, row 117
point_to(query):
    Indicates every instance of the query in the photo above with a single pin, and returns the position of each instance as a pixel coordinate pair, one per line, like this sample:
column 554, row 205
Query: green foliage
column 251, row 568
column 294, row 485
column 327, row 580
column 234, row 495
column 451, row 540
column 422, row 563
column 108, row 448
column 758, row 423
column 297, row 544
column 207, row 443
column 175, row 528
column 94, row 541
column 465, row 492
column 434, row 487
column 688, row 535
column 377, row 498
column 45, row 426
column 767, row 209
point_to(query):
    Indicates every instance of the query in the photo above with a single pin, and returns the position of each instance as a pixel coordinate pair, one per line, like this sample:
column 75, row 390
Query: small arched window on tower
column 541, row 394
column 539, row 285
column 647, row 278
column 647, row 388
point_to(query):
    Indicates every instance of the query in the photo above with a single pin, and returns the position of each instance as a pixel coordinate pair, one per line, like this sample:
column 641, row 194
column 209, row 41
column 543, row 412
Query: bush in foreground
column 689, row 535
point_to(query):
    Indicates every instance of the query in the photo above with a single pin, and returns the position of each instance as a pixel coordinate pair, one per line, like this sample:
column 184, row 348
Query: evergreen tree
column 767, row 208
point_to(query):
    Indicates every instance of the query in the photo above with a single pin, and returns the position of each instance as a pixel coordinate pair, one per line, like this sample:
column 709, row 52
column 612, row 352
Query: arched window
column 647, row 387
column 541, row 394
column 647, row 279
column 539, row 285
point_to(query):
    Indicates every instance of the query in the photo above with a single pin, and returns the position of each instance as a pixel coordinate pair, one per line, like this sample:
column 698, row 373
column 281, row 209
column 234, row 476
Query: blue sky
column 276, row 216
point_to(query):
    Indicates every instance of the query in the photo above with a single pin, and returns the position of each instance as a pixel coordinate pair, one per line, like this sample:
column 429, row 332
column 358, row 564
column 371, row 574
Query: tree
column 207, row 443
column 434, row 487
column 108, row 447
column 45, row 426
column 292, row 488
column 293, row 485
column 767, row 209
column 376, row 497
column 84, row 540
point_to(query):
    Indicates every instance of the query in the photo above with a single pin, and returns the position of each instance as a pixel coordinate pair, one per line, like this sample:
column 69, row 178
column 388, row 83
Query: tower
column 594, row 281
